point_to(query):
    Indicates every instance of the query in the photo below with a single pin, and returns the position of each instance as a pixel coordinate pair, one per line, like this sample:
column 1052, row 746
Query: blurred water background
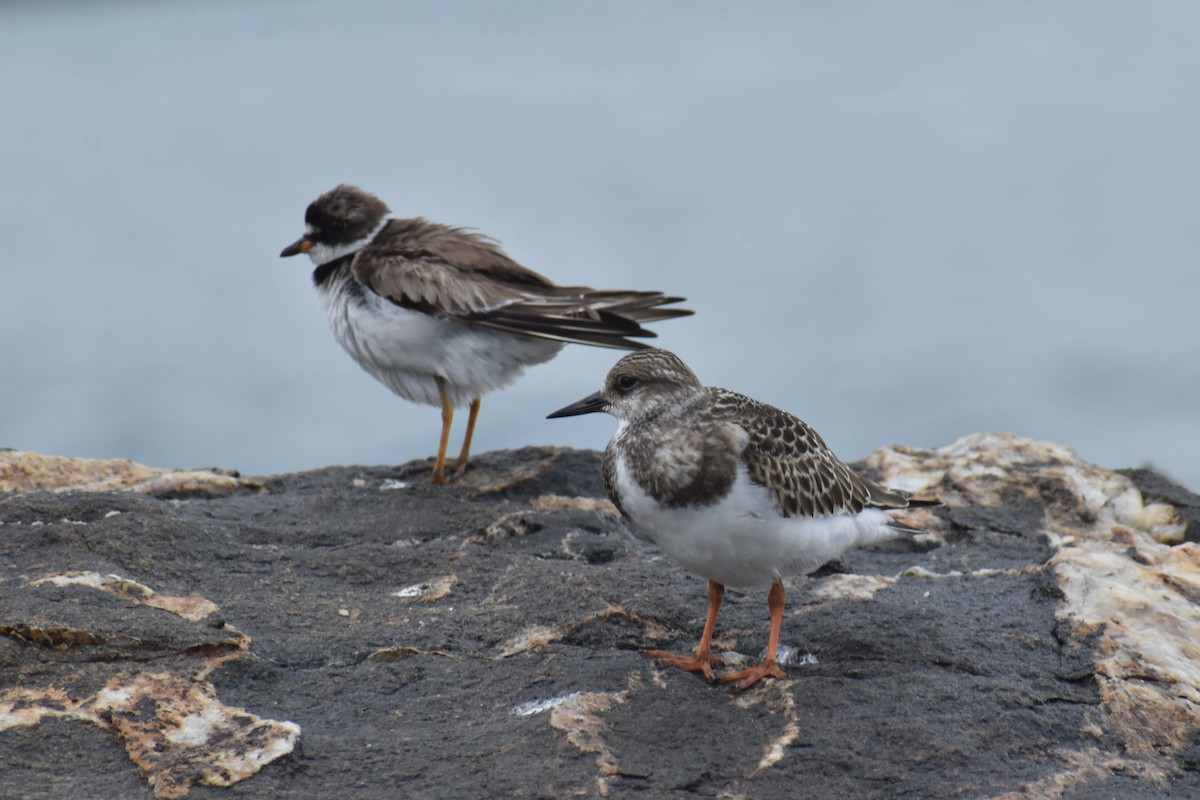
column 904, row 222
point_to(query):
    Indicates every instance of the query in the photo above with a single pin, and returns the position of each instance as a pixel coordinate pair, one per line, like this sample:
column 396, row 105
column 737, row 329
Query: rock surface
column 355, row 632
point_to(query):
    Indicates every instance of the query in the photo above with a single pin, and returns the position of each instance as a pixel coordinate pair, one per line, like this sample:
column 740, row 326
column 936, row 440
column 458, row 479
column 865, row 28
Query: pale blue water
column 905, row 222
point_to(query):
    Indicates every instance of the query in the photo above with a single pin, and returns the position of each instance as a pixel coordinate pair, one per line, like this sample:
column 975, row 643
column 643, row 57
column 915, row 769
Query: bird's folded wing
column 576, row 314
column 789, row 459
column 502, row 295
column 433, row 286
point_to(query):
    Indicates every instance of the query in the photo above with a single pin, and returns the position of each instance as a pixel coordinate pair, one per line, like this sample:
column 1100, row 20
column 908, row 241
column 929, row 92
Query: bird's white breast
column 407, row 350
column 741, row 540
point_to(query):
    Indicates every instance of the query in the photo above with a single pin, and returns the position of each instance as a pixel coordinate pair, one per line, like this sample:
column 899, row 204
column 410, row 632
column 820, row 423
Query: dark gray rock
column 484, row 639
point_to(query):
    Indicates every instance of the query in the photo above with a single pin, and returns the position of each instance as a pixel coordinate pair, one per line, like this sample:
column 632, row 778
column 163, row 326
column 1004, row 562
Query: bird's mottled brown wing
column 436, row 268
column 788, row 458
column 462, row 275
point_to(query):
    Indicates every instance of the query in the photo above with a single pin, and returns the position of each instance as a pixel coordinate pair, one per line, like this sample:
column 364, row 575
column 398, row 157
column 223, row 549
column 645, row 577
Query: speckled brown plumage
column 684, row 444
column 736, row 490
column 694, row 463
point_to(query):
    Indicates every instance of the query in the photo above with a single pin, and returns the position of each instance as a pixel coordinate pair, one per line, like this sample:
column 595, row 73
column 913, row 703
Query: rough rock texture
column 355, row 632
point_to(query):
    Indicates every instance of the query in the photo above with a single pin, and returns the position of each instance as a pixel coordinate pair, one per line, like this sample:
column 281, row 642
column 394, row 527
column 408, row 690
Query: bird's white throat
column 324, row 253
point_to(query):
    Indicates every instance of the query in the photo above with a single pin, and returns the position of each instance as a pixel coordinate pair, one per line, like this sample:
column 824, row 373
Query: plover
column 736, row 490
column 441, row 315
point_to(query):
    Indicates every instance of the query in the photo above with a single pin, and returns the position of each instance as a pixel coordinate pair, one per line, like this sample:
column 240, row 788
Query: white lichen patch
column 22, row 471
column 781, row 700
column 1140, row 597
column 514, row 524
column 173, row 727
column 774, row 749
column 112, row 698
column 979, row 470
column 1117, row 559
column 580, row 716
column 846, row 587
column 529, row 639
column 192, row 608
column 26, row 706
column 532, row 707
column 400, row 652
column 428, row 591
column 1089, row 765
column 558, row 502
column 171, row 723
column 179, row 733
column 195, row 728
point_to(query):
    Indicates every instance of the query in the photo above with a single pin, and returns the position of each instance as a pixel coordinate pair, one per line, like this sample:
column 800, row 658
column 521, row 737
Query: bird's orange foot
column 449, row 471
column 430, row 466
column 452, row 469
column 701, row 662
column 749, row 677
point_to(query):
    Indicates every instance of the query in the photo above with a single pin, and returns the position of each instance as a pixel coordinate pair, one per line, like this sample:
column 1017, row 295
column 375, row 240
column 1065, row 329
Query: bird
column 441, row 315
column 736, row 490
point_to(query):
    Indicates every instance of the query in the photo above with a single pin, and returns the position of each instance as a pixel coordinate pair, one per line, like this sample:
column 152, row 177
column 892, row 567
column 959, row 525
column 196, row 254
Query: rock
column 357, row 632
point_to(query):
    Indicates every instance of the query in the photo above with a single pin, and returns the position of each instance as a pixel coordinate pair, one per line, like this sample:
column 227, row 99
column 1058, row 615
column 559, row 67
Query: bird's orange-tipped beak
column 296, row 248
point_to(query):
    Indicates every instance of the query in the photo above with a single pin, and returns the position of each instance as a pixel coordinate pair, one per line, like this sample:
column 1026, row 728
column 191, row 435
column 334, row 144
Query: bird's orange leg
column 768, row 668
column 439, row 465
column 704, row 659
column 460, row 466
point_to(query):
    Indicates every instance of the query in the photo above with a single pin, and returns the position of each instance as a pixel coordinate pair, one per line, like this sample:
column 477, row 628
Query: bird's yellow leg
column 439, row 465
column 460, row 466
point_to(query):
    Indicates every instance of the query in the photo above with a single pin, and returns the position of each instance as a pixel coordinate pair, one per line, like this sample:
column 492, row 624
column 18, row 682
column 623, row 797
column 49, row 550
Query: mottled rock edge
column 356, row 632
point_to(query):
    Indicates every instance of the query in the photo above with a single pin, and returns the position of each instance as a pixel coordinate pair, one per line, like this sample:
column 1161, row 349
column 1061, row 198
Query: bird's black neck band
column 323, row 273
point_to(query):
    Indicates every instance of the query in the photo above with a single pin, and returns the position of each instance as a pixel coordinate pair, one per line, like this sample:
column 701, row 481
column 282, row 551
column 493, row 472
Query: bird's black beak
column 588, row 405
column 296, row 248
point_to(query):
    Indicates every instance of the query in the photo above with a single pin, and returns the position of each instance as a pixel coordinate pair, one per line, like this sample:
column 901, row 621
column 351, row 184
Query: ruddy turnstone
column 442, row 315
column 736, row 490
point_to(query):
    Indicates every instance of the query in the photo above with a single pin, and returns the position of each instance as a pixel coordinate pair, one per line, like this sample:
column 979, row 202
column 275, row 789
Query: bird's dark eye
column 626, row 382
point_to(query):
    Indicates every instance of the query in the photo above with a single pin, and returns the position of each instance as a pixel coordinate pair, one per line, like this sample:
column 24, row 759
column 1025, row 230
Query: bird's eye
column 626, row 382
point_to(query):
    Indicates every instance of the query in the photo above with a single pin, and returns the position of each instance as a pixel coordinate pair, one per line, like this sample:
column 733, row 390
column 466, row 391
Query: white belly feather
column 742, row 540
column 406, row 350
